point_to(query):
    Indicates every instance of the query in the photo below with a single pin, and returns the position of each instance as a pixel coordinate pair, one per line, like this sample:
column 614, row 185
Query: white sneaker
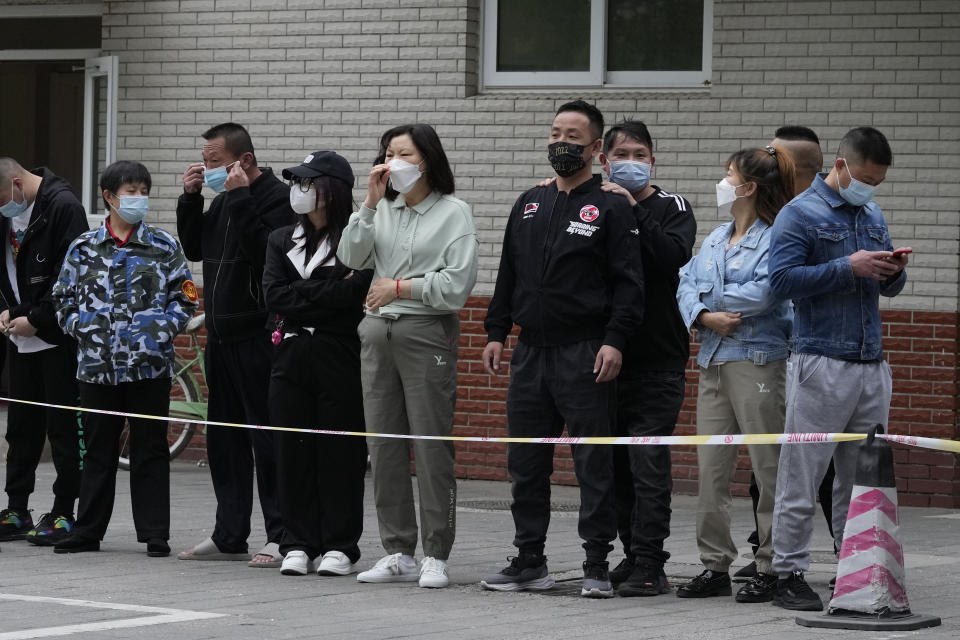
column 335, row 563
column 398, row 567
column 433, row 573
column 295, row 563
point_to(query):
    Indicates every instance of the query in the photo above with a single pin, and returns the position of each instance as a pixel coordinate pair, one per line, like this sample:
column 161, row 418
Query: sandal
column 207, row 550
column 270, row 550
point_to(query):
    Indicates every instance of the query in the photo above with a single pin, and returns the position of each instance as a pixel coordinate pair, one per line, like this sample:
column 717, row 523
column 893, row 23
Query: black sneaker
column 747, row 573
column 50, row 529
column 646, row 580
column 794, row 593
column 76, row 544
column 158, row 548
column 707, row 584
column 760, row 589
column 14, row 524
column 596, row 580
column 525, row 572
column 622, row 571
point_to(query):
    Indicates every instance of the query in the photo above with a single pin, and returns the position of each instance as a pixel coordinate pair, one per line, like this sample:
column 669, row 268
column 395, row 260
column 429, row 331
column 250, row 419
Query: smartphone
column 901, row 252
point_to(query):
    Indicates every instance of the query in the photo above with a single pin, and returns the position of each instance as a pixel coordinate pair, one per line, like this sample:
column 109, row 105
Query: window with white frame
column 597, row 43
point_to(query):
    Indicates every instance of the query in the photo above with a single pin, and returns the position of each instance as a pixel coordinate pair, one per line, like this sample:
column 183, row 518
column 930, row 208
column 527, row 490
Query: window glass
column 534, row 35
column 654, row 35
column 76, row 32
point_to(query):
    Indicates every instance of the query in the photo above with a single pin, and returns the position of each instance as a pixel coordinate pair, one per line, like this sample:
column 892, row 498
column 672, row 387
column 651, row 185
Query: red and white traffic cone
column 871, row 591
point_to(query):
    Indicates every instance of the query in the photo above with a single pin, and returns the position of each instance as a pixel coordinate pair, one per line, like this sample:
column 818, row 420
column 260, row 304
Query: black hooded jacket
column 231, row 240
column 56, row 221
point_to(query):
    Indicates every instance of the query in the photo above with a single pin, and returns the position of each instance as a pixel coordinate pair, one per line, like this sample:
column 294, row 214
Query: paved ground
column 120, row 584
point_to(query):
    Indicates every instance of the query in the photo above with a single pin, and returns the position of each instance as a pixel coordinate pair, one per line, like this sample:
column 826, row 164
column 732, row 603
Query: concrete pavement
column 120, row 584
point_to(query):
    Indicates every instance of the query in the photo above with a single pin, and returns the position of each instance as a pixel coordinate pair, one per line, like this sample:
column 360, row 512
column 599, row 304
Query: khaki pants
column 408, row 368
column 734, row 398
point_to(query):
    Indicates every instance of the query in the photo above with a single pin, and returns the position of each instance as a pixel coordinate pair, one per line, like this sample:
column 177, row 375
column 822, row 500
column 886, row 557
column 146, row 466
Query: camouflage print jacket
column 124, row 303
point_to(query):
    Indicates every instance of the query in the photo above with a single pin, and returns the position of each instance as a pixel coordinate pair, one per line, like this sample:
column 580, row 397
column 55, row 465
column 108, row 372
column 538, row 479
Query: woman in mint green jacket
column 422, row 245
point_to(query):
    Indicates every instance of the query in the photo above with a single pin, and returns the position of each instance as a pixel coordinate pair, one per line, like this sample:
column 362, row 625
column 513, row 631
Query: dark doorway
column 41, row 116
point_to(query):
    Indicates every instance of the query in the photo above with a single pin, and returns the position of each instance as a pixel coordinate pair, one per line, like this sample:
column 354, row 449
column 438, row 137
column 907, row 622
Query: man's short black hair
column 236, row 140
column 124, row 172
column 593, row 114
column 425, row 139
column 635, row 130
column 866, row 144
column 796, row 132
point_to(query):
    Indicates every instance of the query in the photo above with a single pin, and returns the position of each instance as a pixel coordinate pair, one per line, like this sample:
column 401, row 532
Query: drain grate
column 504, row 505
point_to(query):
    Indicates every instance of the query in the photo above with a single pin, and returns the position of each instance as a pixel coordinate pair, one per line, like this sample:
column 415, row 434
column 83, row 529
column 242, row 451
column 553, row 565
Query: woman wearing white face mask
column 315, row 303
column 725, row 293
column 422, row 244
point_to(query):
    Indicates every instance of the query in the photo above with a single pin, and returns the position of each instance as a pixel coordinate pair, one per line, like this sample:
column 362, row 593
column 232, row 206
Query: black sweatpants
column 315, row 384
column 149, row 458
column 550, row 387
column 238, row 378
column 44, row 376
column 648, row 404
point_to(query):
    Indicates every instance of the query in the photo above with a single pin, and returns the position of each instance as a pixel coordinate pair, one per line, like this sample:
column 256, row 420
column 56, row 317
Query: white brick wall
column 311, row 74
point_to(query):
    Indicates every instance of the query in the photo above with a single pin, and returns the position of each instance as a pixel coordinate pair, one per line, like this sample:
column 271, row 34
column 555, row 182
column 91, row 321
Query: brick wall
column 921, row 348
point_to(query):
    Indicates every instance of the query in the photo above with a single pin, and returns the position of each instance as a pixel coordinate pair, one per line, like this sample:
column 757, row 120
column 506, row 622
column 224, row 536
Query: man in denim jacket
column 831, row 253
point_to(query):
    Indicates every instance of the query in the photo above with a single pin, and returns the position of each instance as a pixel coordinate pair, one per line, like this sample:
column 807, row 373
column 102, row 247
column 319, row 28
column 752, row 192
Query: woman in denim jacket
column 725, row 293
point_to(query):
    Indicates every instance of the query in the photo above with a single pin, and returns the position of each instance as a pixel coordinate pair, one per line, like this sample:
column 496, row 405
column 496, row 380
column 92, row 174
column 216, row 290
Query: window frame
column 597, row 77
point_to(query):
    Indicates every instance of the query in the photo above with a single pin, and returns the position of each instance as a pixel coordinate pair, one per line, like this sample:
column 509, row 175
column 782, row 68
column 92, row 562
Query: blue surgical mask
column 856, row 193
column 13, row 209
column 216, row 179
column 632, row 176
column 133, row 209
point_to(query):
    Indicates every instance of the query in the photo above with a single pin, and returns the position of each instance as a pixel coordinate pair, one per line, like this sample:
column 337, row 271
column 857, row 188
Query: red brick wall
column 922, row 350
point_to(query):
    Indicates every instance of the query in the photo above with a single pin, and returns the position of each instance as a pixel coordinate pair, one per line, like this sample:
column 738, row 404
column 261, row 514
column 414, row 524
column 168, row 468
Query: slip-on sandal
column 208, row 551
column 271, row 549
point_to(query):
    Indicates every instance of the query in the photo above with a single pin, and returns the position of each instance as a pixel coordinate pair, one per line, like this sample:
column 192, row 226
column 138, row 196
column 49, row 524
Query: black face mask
column 566, row 158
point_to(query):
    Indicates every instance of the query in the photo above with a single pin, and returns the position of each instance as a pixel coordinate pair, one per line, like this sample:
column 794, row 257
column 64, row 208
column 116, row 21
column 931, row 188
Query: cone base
column 866, row 622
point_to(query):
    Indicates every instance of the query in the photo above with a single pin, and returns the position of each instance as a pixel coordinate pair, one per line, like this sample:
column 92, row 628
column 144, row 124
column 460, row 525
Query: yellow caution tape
column 738, row 439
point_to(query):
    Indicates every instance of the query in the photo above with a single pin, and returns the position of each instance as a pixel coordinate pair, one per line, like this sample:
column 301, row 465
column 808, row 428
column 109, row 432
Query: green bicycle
column 186, row 397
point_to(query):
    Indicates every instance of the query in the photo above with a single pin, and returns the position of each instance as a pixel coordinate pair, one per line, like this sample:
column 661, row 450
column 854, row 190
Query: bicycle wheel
column 183, row 390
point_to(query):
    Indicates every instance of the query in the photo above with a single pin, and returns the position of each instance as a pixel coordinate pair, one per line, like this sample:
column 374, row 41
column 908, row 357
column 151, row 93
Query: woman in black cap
column 315, row 304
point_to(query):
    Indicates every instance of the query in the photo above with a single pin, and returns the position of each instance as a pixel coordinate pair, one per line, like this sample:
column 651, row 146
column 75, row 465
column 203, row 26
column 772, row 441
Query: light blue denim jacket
column 837, row 313
column 738, row 283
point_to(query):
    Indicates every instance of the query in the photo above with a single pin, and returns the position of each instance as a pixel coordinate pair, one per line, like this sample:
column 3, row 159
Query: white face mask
column 403, row 175
column 726, row 196
column 303, row 201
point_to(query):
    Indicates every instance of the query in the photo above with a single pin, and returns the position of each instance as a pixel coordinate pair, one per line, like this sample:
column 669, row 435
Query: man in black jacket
column 41, row 217
column 231, row 239
column 570, row 277
column 651, row 385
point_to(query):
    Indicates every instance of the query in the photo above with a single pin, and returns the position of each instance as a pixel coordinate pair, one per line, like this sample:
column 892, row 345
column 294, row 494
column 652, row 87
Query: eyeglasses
column 304, row 184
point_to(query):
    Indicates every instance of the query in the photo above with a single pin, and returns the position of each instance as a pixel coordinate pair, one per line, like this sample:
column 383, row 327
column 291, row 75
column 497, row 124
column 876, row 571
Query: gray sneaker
column 524, row 573
column 596, row 580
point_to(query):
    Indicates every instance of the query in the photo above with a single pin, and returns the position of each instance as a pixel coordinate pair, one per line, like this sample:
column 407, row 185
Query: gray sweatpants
column 823, row 395
column 408, row 368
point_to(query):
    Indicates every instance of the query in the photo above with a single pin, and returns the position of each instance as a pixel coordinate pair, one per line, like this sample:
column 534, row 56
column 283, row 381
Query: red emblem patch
column 530, row 207
column 589, row 213
column 190, row 290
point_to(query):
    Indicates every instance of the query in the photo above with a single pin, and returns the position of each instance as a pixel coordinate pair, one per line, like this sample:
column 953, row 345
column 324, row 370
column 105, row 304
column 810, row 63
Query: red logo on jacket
column 589, row 213
column 530, row 207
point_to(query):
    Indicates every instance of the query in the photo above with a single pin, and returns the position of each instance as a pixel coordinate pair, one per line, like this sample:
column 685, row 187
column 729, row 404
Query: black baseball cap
column 322, row 163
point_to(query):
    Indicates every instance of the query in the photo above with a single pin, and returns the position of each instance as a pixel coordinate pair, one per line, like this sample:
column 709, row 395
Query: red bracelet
column 398, row 289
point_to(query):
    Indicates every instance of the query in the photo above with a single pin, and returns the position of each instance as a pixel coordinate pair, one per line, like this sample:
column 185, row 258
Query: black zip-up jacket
column 668, row 231
column 569, row 269
column 328, row 300
column 231, row 240
column 57, row 219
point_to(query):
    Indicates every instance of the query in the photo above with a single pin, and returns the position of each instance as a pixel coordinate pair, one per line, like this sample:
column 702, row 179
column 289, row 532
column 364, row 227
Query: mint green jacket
column 433, row 244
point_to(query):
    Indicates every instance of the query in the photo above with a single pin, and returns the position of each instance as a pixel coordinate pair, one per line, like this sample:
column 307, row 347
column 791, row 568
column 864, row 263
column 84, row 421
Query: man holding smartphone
column 831, row 253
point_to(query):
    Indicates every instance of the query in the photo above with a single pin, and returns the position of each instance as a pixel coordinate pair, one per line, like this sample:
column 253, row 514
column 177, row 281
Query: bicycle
column 186, row 398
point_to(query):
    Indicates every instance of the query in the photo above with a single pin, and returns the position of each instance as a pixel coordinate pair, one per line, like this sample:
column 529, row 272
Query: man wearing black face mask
column 570, row 277
column 231, row 240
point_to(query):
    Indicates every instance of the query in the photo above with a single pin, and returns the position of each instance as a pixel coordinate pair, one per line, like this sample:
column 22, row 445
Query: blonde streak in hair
column 787, row 167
